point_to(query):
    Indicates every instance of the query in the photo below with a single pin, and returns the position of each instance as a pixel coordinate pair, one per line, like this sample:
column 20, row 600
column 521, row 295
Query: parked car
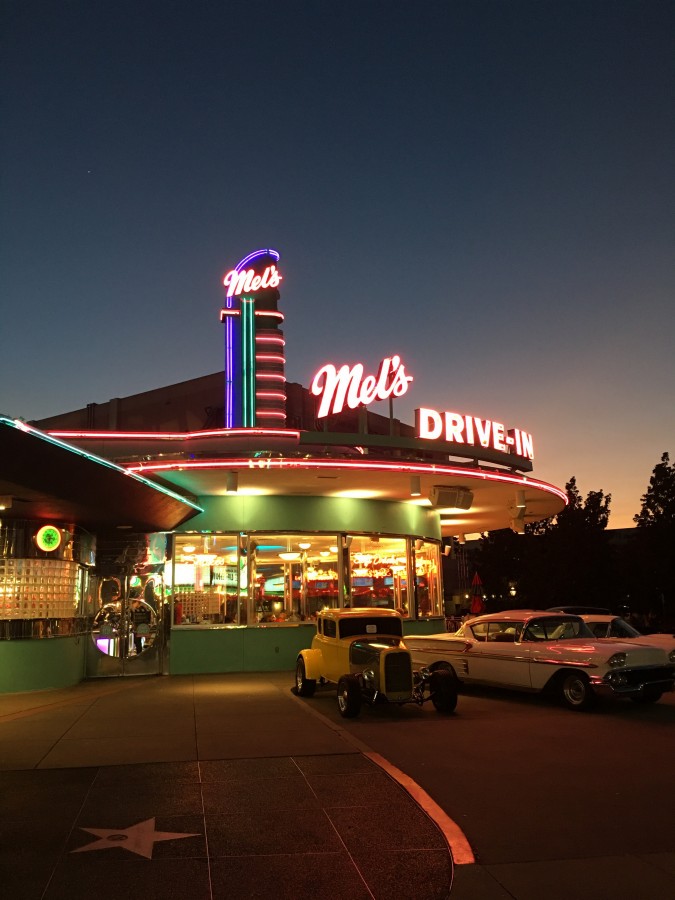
column 616, row 627
column 546, row 651
column 362, row 652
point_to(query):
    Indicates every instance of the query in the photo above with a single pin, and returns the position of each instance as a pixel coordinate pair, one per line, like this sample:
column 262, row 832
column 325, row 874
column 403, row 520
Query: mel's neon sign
column 247, row 282
column 455, row 428
column 348, row 386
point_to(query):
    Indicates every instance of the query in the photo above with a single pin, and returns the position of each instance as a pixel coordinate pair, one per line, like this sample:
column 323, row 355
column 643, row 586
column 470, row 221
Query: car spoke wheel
column 304, row 686
column 349, row 696
column 576, row 691
column 443, row 690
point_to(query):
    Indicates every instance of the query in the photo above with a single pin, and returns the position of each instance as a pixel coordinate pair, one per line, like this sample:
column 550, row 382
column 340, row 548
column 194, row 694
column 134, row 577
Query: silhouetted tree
column 655, row 541
column 564, row 560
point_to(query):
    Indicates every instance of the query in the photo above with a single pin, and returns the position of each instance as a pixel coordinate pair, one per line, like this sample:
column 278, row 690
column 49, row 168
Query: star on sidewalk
column 140, row 838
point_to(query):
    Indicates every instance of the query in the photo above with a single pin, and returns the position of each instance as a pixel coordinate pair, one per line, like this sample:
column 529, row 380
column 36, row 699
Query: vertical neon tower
column 255, row 379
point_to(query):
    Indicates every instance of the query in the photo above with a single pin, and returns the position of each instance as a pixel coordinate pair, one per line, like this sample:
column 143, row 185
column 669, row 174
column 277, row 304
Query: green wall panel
column 273, row 649
column 327, row 514
column 38, row 665
column 195, row 651
column 424, row 626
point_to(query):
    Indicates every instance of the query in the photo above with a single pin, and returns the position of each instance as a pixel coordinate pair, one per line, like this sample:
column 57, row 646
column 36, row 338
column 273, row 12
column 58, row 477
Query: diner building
column 199, row 527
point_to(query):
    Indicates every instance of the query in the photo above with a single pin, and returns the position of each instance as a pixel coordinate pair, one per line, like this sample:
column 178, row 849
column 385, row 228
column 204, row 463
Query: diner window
column 293, row 576
column 378, row 572
column 208, row 578
column 427, row 578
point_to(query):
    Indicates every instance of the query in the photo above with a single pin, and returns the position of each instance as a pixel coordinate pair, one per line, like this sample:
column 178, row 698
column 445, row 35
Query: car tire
column 443, row 690
column 575, row 691
column 349, row 696
column 648, row 695
column 304, row 686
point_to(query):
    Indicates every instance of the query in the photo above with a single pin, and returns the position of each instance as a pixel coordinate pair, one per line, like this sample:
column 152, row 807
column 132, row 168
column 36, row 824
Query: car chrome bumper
column 632, row 681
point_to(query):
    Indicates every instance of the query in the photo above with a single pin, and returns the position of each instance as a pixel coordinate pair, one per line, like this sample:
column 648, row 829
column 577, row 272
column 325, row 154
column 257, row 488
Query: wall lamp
column 6, row 501
column 415, row 486
column 461, row 538
column 518, row 526
column 520, row 500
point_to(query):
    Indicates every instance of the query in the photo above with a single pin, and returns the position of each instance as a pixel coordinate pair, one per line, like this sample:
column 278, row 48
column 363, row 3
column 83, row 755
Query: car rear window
column 370, row 625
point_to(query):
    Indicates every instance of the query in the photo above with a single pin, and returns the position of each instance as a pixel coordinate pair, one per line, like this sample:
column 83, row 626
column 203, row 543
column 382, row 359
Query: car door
column 498, row 657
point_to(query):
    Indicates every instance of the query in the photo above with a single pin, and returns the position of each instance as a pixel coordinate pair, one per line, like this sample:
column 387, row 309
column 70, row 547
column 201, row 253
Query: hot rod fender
column 313, row 660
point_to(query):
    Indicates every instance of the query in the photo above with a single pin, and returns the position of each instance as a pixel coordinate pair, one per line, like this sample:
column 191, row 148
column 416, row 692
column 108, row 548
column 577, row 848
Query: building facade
column 293, row 499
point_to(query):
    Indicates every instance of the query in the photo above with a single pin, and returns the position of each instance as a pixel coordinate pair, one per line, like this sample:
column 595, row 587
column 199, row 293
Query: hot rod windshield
column 371, row 625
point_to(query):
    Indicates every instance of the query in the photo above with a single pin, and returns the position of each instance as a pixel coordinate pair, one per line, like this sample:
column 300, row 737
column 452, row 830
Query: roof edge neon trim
column 407, row 468
column 78, row 451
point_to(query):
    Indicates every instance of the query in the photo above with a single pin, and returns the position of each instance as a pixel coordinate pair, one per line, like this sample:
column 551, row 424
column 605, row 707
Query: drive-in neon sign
column 455, row 428
column 348, row 386
column 247, row 282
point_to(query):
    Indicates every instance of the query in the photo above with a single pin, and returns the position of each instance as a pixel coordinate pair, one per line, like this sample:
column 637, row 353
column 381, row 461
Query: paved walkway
column 201, row 787
column 228, row 786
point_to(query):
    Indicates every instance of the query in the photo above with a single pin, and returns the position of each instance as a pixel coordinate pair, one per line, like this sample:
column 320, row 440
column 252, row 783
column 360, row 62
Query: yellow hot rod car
column 362, row 651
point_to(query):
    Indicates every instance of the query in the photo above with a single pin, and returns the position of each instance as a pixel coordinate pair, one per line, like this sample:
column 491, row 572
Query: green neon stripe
column 248, row 362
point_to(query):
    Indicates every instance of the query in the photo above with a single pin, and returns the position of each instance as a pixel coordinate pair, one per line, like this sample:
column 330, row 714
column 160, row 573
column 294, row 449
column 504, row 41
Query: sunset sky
column 485, row 188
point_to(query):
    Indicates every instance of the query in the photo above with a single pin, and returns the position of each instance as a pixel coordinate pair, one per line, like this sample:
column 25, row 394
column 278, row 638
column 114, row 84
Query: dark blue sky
column 486, row 188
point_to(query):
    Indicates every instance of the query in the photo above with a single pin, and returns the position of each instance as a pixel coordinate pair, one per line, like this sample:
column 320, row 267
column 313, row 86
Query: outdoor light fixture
column 415, row 486
column 450, row 497
column 520, row 499
column 5, row 502
column 518, row 526
column 232, row 483
column 461, row 538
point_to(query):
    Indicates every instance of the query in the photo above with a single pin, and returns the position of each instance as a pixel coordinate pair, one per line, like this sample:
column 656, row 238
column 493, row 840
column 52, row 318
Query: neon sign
column 247, row 282
column 455, row 428
column 346, row 385
column 48, row 538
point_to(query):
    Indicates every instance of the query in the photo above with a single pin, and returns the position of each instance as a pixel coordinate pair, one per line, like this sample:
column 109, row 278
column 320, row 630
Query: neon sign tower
column 255, row 380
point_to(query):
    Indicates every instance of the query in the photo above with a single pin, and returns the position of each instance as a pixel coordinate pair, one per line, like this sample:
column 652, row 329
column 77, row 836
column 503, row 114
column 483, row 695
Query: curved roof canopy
column 45, row 478
column 287, row 462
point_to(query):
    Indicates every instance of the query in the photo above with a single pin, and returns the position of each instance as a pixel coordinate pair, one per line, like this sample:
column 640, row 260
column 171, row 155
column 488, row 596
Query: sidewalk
column 201, row 787
column 228, row 786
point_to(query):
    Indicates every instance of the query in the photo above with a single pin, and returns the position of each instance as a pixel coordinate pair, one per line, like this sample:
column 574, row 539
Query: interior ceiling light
column 289, row 556
column 304, row 545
